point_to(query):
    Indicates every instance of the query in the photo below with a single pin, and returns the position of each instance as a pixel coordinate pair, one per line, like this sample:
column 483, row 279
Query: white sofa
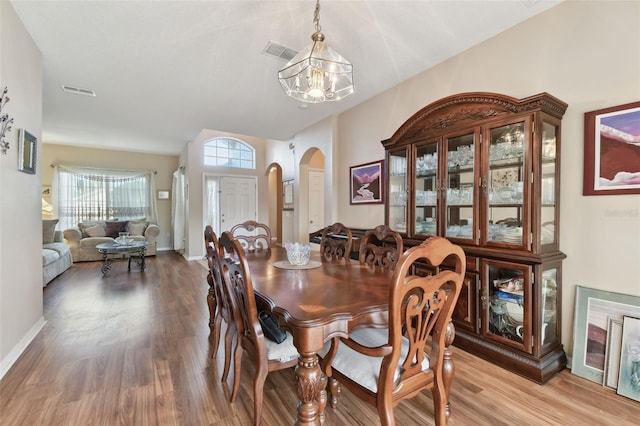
column 56, row 258
column 84, row 238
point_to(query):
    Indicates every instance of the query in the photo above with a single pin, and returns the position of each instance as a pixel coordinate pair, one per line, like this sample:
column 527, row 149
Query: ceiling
column 164, row 70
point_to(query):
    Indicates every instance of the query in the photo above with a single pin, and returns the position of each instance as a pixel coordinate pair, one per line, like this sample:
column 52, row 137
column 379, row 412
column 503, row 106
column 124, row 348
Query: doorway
column 229, row 200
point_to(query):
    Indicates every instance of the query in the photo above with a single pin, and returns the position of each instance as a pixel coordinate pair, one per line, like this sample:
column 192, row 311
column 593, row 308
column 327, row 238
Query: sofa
column 83, row 238
column 56, row 256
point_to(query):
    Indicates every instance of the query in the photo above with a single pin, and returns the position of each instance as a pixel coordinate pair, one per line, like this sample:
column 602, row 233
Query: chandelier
column 318, row 73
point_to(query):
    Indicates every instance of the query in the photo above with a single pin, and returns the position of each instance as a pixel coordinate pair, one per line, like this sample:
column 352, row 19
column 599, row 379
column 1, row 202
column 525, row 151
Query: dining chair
column 252, row 235
column 336, row 242
column 383, row 366
column 374, row 253
column 218, row 300
column 267, row 355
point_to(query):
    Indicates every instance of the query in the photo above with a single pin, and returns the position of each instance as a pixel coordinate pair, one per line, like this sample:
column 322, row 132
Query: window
column 227, row 152
column 98, row 194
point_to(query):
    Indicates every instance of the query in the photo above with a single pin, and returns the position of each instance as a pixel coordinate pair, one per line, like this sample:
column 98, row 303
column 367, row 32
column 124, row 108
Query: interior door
column 237, row 201
column 316, row 200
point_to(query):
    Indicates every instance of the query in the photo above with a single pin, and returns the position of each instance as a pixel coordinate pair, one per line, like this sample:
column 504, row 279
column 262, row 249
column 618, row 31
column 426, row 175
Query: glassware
column 298, row 253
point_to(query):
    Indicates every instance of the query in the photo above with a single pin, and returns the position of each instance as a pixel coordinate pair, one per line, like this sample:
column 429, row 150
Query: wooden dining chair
column 267, row 355
column 383, row 366
column 218, row 300
column 336, row 242
column 374, row 252
column 252, row 235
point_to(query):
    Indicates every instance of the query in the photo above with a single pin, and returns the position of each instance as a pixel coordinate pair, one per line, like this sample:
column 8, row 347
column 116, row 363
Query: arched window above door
column 229, row 152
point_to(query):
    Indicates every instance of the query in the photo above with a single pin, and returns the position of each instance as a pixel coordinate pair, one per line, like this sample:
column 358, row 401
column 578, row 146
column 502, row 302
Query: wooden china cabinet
column 483, row 170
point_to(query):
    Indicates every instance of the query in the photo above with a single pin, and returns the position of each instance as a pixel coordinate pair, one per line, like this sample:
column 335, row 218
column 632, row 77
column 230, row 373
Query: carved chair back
column 252, row 235
column 374, row 253
column 336, row 242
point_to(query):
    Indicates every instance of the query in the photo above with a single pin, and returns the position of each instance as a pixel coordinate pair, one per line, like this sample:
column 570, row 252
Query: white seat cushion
column 282, row 352
column 365, row 369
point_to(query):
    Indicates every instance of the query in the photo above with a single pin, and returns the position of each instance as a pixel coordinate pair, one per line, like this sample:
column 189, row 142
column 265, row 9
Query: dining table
column 315, row 303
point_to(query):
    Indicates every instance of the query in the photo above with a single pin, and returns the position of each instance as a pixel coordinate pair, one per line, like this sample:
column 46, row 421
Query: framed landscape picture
column 629, row 376
column 593, row 312
column 612, row 150
column 27, row 152
column 367, row 183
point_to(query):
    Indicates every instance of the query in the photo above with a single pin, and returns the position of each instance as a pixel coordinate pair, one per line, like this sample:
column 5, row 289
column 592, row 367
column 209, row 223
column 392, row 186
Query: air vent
column 78, row 91
column 279, row 51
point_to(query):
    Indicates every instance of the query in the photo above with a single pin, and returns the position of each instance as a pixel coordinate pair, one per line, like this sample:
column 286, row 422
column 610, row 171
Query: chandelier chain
column 316, row 16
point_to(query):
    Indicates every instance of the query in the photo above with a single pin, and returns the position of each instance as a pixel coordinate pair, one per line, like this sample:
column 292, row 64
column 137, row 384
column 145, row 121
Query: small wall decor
column 612, row 150
column 5, row 122
column 27, row 152
column 594, row 309
column 367, row 183
column 164, row 195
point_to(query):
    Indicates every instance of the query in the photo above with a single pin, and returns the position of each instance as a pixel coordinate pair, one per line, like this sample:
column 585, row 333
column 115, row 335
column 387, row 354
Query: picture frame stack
column 606, row 340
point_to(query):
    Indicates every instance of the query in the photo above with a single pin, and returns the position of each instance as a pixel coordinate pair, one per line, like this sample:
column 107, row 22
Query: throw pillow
column 113, row 229
column 88, row 224
column 95, row 231
column 136, row 229
column 48, row 230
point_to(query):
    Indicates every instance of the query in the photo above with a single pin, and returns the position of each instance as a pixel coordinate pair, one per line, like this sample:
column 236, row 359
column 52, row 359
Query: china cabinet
column 482, row 169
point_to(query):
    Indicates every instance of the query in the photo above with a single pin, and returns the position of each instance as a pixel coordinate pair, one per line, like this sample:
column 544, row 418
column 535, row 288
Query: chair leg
column 440, row 409
column 237, row 371
column 334, row 390
column 217, row 322
column 228, row 345
column 385, row 412
column 258, row 393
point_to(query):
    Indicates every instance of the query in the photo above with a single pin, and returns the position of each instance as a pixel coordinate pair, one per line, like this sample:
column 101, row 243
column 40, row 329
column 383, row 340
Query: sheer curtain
column 82, row 193
column 211, row 203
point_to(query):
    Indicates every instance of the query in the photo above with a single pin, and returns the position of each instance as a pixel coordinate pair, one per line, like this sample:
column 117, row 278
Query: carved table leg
column 309, row 381
column 448, row 367
column 142, row 262
column 106, row 263
column 334, row 387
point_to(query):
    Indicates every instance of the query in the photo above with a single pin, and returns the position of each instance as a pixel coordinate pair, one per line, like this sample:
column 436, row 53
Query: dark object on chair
column 270, row 328
column 268, row 356
column 385, row 366
column 373, row 252
column 252, row 235
column 218, row 300
column 336, row 242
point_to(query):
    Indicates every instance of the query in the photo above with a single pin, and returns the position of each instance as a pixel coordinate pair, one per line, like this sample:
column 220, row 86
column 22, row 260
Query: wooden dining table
column 315, row 305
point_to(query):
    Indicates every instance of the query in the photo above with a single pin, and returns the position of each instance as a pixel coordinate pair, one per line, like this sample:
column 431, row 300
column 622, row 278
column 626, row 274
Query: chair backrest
column 422, row 306
column 252, row 235
column 235, row 273
column 373, row 253
column 336, row 242
column 214, row 277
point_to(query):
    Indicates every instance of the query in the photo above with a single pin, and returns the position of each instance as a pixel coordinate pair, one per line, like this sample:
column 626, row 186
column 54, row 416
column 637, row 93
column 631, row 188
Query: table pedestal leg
column 310, row 383
column 106, row 263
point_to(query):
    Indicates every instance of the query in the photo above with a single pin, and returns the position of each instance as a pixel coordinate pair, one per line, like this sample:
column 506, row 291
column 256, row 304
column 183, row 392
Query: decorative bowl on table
column 124, row 239
column 298, row 253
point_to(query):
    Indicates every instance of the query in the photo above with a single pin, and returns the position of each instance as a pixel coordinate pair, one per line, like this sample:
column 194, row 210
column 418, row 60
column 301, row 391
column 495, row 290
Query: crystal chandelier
column 318, row 73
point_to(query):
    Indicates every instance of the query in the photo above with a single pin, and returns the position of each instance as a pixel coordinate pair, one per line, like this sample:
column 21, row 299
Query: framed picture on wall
column 26, row 152
column 612, row 150
column 367, row 183
column 287, row 194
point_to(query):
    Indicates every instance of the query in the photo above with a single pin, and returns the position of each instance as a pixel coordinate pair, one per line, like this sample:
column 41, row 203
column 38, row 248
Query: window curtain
column 178, row 210
column 211, row 203
column 82, row 193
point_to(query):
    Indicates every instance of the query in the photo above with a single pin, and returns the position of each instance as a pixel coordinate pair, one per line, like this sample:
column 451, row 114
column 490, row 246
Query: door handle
column 311, row 221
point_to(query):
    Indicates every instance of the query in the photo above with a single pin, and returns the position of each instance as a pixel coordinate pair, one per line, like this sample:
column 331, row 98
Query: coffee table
column 133, row 249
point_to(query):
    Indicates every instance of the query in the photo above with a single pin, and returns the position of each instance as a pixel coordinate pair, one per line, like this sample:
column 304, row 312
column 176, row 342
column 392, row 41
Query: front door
column 237, row 201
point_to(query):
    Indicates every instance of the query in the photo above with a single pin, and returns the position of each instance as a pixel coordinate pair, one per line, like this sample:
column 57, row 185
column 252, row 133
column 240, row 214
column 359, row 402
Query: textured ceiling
column 164, row 70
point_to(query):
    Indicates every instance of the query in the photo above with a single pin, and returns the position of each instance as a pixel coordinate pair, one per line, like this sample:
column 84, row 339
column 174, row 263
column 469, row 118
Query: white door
column 316, row 200
column 237, row 201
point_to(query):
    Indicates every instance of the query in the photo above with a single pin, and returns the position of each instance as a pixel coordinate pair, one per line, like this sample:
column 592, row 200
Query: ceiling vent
column 279, row 51
column 78, row 91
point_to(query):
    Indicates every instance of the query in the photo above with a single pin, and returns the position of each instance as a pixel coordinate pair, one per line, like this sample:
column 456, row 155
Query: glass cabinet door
column 460, row 176
column 549, row 326
column 397, row 205
column 506, row 303
column 548, row 185
column 426, row 189
column 507, row 184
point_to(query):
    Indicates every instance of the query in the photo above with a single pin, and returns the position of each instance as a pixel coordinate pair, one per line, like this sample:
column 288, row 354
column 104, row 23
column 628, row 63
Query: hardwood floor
column 134, row 348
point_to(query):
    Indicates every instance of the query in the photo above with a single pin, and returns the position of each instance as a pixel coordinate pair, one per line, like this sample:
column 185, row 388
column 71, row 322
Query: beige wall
column 20, row 221
column 585, row 53
column 165, row 165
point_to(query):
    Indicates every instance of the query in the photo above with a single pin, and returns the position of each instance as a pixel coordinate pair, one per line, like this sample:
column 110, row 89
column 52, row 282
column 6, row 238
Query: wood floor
column 134, row 348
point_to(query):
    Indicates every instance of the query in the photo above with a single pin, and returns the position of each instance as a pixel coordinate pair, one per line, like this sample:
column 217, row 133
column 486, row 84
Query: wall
column 165, row 165
column 585, row 53
column 20, row 282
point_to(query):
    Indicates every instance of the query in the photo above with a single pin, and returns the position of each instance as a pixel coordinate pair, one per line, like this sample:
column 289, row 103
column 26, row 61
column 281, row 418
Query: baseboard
column 17, row 350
